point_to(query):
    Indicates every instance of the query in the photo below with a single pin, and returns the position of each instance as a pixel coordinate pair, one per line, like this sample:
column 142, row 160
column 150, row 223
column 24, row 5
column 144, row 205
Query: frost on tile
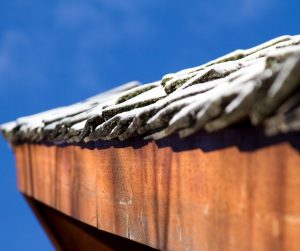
column 260, row 85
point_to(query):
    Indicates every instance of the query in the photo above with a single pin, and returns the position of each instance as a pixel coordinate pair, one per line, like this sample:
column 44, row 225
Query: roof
column 260, row 85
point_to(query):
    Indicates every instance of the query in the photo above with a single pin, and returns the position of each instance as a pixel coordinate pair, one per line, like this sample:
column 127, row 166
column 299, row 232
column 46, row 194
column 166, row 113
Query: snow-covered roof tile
column 260, row 84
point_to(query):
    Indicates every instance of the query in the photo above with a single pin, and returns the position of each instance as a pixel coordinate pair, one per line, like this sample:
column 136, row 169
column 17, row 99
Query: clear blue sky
column 53, row 53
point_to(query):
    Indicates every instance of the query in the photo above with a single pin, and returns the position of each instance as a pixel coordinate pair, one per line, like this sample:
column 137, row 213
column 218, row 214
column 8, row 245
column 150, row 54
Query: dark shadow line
column 244, row 138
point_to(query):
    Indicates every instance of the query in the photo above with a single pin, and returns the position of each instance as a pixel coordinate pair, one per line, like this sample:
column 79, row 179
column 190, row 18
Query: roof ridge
column 245, row 84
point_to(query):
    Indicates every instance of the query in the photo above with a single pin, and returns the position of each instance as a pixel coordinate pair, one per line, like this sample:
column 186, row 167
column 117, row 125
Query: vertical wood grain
column 223, row 199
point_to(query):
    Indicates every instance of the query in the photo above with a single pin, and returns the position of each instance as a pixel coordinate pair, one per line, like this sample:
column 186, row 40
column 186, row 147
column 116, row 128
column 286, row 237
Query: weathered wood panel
column 230, row 191
column 68, row 234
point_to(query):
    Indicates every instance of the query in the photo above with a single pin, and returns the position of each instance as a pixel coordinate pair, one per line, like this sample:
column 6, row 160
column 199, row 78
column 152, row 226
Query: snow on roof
column 261, row 85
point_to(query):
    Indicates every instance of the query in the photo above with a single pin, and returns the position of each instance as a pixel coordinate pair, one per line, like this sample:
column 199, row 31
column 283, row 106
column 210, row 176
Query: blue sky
column 53, row 53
